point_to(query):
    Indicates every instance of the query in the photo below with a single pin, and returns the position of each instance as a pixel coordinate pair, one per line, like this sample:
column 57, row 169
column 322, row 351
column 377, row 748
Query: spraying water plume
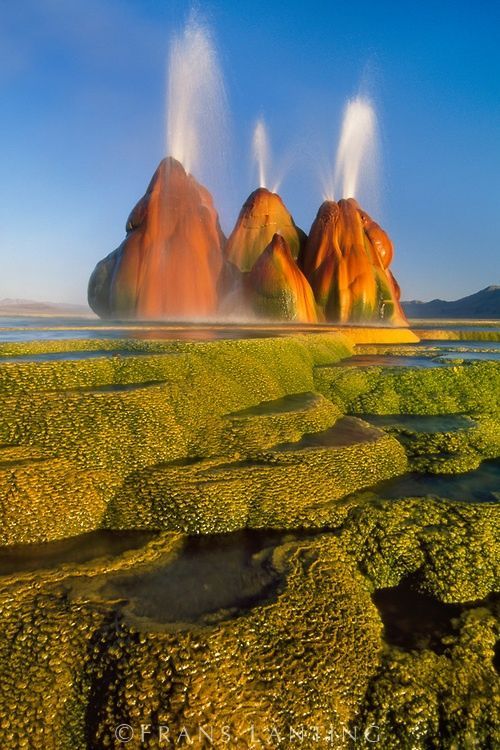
column 196, row 100
column 170, row 261
column 260, row 149
column 175, row 262
column 357, row 153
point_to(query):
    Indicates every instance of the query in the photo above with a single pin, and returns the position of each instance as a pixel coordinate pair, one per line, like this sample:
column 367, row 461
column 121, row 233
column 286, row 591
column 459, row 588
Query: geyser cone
column 276, row 288
column 169, row 263
column 346, row 260
column 262, row 215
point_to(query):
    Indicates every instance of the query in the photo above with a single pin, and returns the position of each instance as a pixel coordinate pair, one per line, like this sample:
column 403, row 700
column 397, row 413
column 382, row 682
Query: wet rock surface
column 277, row 289
column 213, row 578
column 418, row 621
column 19, row 558
column 169, row 263
column 371, row 601
column 346, row 259
column 479, row 486
column 262, row 215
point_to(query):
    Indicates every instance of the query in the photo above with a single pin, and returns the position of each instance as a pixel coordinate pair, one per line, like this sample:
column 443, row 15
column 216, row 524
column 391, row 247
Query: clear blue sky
column 82, row 112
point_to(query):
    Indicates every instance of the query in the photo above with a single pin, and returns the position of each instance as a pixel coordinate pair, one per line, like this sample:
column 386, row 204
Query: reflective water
column 63, row 328
column 79, row 354
column 416, row 621
column 472, row 355
column 54, row 329
column 215, row 577
column 413, row 620
column 293, row 402
column 19, row 558
column 421, row 423
column 387, row 360
column 345, row 431
column 479, row 486
column 443, row 324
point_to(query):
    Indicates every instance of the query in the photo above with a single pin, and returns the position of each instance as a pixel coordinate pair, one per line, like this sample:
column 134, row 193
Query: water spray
column 357, row 152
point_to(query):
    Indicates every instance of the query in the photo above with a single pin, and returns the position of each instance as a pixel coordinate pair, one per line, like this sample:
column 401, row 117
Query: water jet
column 175, row 262
column 260, row 149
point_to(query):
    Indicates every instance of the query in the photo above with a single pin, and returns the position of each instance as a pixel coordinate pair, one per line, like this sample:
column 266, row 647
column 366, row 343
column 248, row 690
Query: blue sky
column 82, row 121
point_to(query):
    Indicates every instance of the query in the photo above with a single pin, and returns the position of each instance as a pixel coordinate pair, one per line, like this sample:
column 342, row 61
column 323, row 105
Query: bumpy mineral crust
column 286, row 451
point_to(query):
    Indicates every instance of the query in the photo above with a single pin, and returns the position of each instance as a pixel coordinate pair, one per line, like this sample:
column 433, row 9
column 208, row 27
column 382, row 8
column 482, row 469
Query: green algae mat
column 251, row 543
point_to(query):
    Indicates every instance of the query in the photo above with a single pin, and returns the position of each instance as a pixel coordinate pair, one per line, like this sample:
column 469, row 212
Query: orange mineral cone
column 277, row 289
column 263, row 214
column 346, row 259
column 169, row 263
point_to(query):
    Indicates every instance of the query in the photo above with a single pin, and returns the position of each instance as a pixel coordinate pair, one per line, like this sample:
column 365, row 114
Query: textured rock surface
column 175, row 263
column 77, row 661
column 277, row 288
column 322, row 634
column 216, row 436
column 103, row 424
column 471, row 387
column 262, row 216
column 170, row 261
column 279, row 488
column 435, row 697
column 442, row 450
column 346, row 259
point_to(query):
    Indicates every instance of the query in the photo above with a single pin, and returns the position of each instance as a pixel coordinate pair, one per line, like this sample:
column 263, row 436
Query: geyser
column 347, row 255
column 357, row 151
column 169, row 263
column 196, row 102
column 260, row 150
column 261, row 217
column 346, row 261
column 175, row 262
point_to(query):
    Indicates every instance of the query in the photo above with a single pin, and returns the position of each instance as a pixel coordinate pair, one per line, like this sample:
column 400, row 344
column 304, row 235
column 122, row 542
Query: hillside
column 481, row 305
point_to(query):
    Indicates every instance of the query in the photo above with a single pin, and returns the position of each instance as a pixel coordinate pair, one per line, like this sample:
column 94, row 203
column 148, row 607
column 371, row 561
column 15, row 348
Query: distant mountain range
column 483, row 305
column 55, row 309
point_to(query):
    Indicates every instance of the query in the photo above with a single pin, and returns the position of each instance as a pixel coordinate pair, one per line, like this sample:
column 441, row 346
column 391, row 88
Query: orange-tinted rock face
column 169, row 263
column 276, row 288
column 263, row 214
column 172, row 263
column 346, row 260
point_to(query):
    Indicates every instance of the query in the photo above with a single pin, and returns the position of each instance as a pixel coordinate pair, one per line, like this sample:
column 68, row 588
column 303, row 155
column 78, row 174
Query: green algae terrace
column 275, row 444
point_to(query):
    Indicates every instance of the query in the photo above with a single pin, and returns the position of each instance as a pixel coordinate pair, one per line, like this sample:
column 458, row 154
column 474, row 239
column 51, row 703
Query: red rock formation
column 276, row 288
column 346, row 260
column 172, row 262
column 262, row 215
column 169, row 263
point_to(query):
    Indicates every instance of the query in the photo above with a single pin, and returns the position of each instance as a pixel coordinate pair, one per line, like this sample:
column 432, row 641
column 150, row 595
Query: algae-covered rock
column 308, row 653
column 274, row 489
column 424, row 700
column 51, row 498
column 262, row 627
column 454, row 547
column 104, row 424
column 473, row 387
column 444, row 444
column 99, row 667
